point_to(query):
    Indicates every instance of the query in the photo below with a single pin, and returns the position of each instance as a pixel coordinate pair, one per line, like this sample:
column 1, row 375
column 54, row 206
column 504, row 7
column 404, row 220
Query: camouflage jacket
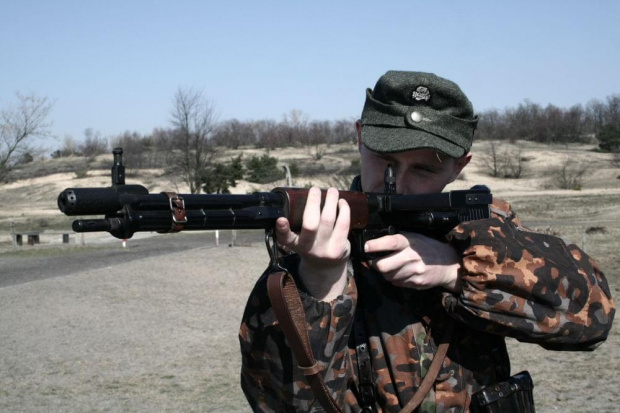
column 516, row 283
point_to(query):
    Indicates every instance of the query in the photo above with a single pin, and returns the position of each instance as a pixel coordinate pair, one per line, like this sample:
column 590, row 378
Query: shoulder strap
column 289, row 312
column 433, row 371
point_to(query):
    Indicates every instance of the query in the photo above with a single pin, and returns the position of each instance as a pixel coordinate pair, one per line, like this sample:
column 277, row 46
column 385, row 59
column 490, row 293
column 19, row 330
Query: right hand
column 322, row 243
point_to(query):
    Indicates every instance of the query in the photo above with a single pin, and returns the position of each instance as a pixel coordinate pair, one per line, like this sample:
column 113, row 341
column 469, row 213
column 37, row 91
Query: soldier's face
column 419, row 171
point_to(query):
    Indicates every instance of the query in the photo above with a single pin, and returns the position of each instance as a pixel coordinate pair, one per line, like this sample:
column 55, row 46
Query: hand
column 322, row 243
column 416, row 261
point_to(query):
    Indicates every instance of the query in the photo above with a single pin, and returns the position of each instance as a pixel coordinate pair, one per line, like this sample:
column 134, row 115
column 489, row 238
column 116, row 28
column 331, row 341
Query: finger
column 312, row 211
column 388, row 264
column 284, row 235
column 396, row 242
column 330, row 210
column 340, row 234
column 406, row 261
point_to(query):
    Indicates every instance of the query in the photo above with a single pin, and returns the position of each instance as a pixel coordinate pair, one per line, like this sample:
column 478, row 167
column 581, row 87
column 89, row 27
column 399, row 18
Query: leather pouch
column 513, row 395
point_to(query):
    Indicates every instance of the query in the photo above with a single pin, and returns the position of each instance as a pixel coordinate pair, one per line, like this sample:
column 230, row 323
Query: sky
column 114, row 66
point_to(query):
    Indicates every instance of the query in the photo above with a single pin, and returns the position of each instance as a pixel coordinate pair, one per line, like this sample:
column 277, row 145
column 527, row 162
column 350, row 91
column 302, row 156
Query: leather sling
column 289, row 312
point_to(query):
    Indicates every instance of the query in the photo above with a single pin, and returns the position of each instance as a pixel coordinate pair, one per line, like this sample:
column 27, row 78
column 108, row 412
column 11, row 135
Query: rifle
column 128, row 209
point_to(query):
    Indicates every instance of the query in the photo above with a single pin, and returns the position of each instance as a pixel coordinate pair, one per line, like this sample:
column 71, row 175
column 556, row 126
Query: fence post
column 287, row 171
column 13, row 237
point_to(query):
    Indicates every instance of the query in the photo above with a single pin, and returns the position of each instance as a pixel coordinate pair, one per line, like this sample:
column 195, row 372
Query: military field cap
column 416, row 110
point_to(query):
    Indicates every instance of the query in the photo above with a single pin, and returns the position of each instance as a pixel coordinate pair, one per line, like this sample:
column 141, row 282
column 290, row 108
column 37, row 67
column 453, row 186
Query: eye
column 384, row 159
column 424, row 169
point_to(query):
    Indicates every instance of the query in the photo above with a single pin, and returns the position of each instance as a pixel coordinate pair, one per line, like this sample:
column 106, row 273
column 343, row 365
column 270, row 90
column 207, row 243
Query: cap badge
column 421, row 93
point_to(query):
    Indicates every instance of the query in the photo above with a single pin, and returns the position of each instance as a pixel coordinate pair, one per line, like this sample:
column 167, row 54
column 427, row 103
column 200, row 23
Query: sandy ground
column 161, row 335
column 153, row 335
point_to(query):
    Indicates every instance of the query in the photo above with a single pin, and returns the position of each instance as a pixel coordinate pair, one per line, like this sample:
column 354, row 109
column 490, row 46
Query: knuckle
column 326, row 221
column 382, row 267
column 309, row 227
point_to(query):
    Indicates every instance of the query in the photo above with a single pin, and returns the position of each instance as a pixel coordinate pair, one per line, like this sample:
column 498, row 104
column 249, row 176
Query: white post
column 289, row 179
column 217, row 237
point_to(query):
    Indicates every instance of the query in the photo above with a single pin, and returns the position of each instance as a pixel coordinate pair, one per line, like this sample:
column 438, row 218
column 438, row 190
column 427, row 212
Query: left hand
column 416, row 261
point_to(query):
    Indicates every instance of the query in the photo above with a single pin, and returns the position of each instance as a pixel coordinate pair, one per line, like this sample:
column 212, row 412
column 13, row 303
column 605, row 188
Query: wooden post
column 13, row 236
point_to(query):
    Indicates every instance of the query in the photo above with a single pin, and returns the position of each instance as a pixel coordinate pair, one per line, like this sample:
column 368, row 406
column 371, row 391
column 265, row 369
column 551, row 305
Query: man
column 488, row 279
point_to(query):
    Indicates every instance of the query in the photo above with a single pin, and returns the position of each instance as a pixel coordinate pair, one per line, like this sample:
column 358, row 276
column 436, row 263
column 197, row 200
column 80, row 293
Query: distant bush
column 596, row 230
column 69, row 148
column 609, row 138
column 264, row 169
column 218, row 178
column 25, row 158
column 81, row 174
column 570, row 175
column 294, row 168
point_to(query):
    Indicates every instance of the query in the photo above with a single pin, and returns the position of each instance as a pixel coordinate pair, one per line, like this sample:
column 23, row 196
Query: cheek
column 372, row 175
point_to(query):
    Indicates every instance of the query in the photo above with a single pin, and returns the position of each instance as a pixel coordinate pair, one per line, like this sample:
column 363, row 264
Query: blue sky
column 115, row 65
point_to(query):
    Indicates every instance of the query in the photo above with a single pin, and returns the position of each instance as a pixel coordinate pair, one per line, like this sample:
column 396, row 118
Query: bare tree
column 234, row 133
column 502, row 161
column 93, row 144
column 343, row 131
column 138, row 150
column 491, row 158
column 193, row 117
column 18, row 124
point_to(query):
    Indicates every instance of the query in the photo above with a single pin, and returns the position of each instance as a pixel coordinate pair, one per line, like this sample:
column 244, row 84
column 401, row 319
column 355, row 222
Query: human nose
column 400, row 179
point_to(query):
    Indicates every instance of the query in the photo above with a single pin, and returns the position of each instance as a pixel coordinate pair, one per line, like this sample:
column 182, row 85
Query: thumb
column 284, row 236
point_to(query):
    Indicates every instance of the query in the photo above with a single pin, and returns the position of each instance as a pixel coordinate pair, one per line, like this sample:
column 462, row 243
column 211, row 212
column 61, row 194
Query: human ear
column 358, row 129
column 459, row 164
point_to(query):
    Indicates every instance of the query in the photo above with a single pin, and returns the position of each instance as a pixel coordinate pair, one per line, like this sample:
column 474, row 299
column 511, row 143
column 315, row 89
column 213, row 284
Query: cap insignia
column 421, row 93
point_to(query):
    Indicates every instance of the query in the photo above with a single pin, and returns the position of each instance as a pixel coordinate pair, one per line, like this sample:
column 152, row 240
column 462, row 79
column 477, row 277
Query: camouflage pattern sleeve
column 270, row 378
column 529, row 286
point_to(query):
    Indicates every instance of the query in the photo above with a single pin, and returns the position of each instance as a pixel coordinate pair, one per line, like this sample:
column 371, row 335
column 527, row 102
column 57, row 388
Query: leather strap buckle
column 177, row 209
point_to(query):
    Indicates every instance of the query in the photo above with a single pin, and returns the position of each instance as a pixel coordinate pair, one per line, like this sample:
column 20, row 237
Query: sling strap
column 289, row 312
